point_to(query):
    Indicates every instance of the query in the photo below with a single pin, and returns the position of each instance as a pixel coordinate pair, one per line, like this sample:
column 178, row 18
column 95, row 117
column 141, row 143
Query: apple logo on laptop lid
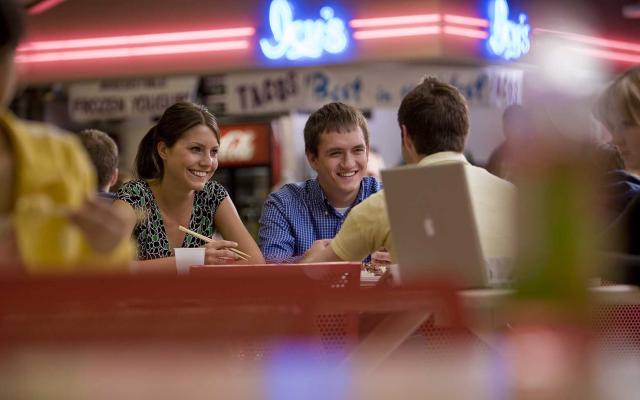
column 429, row 227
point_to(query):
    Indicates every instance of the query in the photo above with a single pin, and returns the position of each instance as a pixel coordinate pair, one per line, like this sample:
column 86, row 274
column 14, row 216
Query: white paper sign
column 100, row 100
column 363, row 87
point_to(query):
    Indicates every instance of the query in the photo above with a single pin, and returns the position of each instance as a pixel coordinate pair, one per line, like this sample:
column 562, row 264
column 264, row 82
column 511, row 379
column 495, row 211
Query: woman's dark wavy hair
column 176, row 120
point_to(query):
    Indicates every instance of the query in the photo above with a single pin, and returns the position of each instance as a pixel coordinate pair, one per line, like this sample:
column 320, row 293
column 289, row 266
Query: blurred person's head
column 182, row 146
column 336, row 140
column 433, row 117
column 11, row 32
column 618, row 108
column 609, row 158
column 103, row 152
column 514, row 121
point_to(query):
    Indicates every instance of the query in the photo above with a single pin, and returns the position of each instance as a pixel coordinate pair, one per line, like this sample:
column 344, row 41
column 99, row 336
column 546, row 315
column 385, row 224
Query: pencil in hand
column 242, row 255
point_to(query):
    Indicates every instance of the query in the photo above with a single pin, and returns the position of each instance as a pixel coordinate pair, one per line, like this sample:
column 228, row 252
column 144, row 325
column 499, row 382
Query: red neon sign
column 128, row 40
column 120, row 52
column 396, row 32
column 398, row 20
column 241, row 38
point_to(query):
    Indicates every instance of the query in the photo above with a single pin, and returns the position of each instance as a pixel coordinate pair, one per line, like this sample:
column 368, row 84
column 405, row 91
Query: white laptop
column 435, row 228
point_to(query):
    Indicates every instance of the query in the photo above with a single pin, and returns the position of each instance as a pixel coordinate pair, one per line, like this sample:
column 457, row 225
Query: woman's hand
column 216, row 252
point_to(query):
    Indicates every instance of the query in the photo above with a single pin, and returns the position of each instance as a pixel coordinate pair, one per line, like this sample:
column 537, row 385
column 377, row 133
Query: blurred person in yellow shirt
column 50, row 218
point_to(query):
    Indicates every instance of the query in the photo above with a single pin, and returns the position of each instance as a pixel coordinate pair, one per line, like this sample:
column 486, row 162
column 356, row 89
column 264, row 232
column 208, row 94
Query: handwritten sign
column 508, row 39
column 296, row 39
column 274, row 89
column 324, row 89
column 363, row 87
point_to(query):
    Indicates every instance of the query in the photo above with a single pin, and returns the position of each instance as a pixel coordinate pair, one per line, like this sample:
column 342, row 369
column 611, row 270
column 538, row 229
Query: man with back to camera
column 50, row 221
column 103, row 152
column 434, row 124
column 303, row 215
column 514, row 125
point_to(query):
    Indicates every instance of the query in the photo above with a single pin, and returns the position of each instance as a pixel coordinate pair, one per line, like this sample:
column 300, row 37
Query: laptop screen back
column 433, row 225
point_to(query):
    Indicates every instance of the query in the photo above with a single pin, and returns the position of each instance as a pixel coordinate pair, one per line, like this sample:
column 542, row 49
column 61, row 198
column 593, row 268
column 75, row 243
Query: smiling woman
column 175, row 163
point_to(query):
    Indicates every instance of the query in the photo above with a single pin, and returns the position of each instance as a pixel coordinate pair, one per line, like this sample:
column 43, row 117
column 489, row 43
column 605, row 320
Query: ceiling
column 38, row 6
column 87, row 19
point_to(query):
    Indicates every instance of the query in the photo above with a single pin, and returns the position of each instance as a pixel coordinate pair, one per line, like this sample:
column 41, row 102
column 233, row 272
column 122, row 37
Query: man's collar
column 317, row 195
column 443, row 157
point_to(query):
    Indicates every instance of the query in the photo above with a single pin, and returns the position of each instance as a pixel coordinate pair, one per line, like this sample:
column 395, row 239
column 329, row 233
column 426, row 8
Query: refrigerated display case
column 248, row 168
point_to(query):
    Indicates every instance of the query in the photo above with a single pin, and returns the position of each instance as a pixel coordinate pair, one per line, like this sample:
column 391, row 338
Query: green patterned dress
column 149, row 233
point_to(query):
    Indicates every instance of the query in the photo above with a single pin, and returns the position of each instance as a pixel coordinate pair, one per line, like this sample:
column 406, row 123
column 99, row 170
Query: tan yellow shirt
column 52, row 174
column 366, row 228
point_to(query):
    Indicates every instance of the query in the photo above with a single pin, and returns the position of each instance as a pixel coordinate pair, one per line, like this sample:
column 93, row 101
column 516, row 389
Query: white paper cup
column 188, row 256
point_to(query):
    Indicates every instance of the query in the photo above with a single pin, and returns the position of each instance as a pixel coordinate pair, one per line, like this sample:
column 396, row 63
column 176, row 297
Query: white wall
column 485, row 133
column 384, row 135
column 132, row 131
column 295, row 166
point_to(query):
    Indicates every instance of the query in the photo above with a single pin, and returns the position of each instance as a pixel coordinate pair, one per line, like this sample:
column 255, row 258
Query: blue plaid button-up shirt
column 299, row 214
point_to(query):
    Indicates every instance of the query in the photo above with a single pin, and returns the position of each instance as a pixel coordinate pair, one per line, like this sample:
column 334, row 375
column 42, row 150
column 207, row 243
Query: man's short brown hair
column 103, row 153
column 436, row 117
column 332, row 117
